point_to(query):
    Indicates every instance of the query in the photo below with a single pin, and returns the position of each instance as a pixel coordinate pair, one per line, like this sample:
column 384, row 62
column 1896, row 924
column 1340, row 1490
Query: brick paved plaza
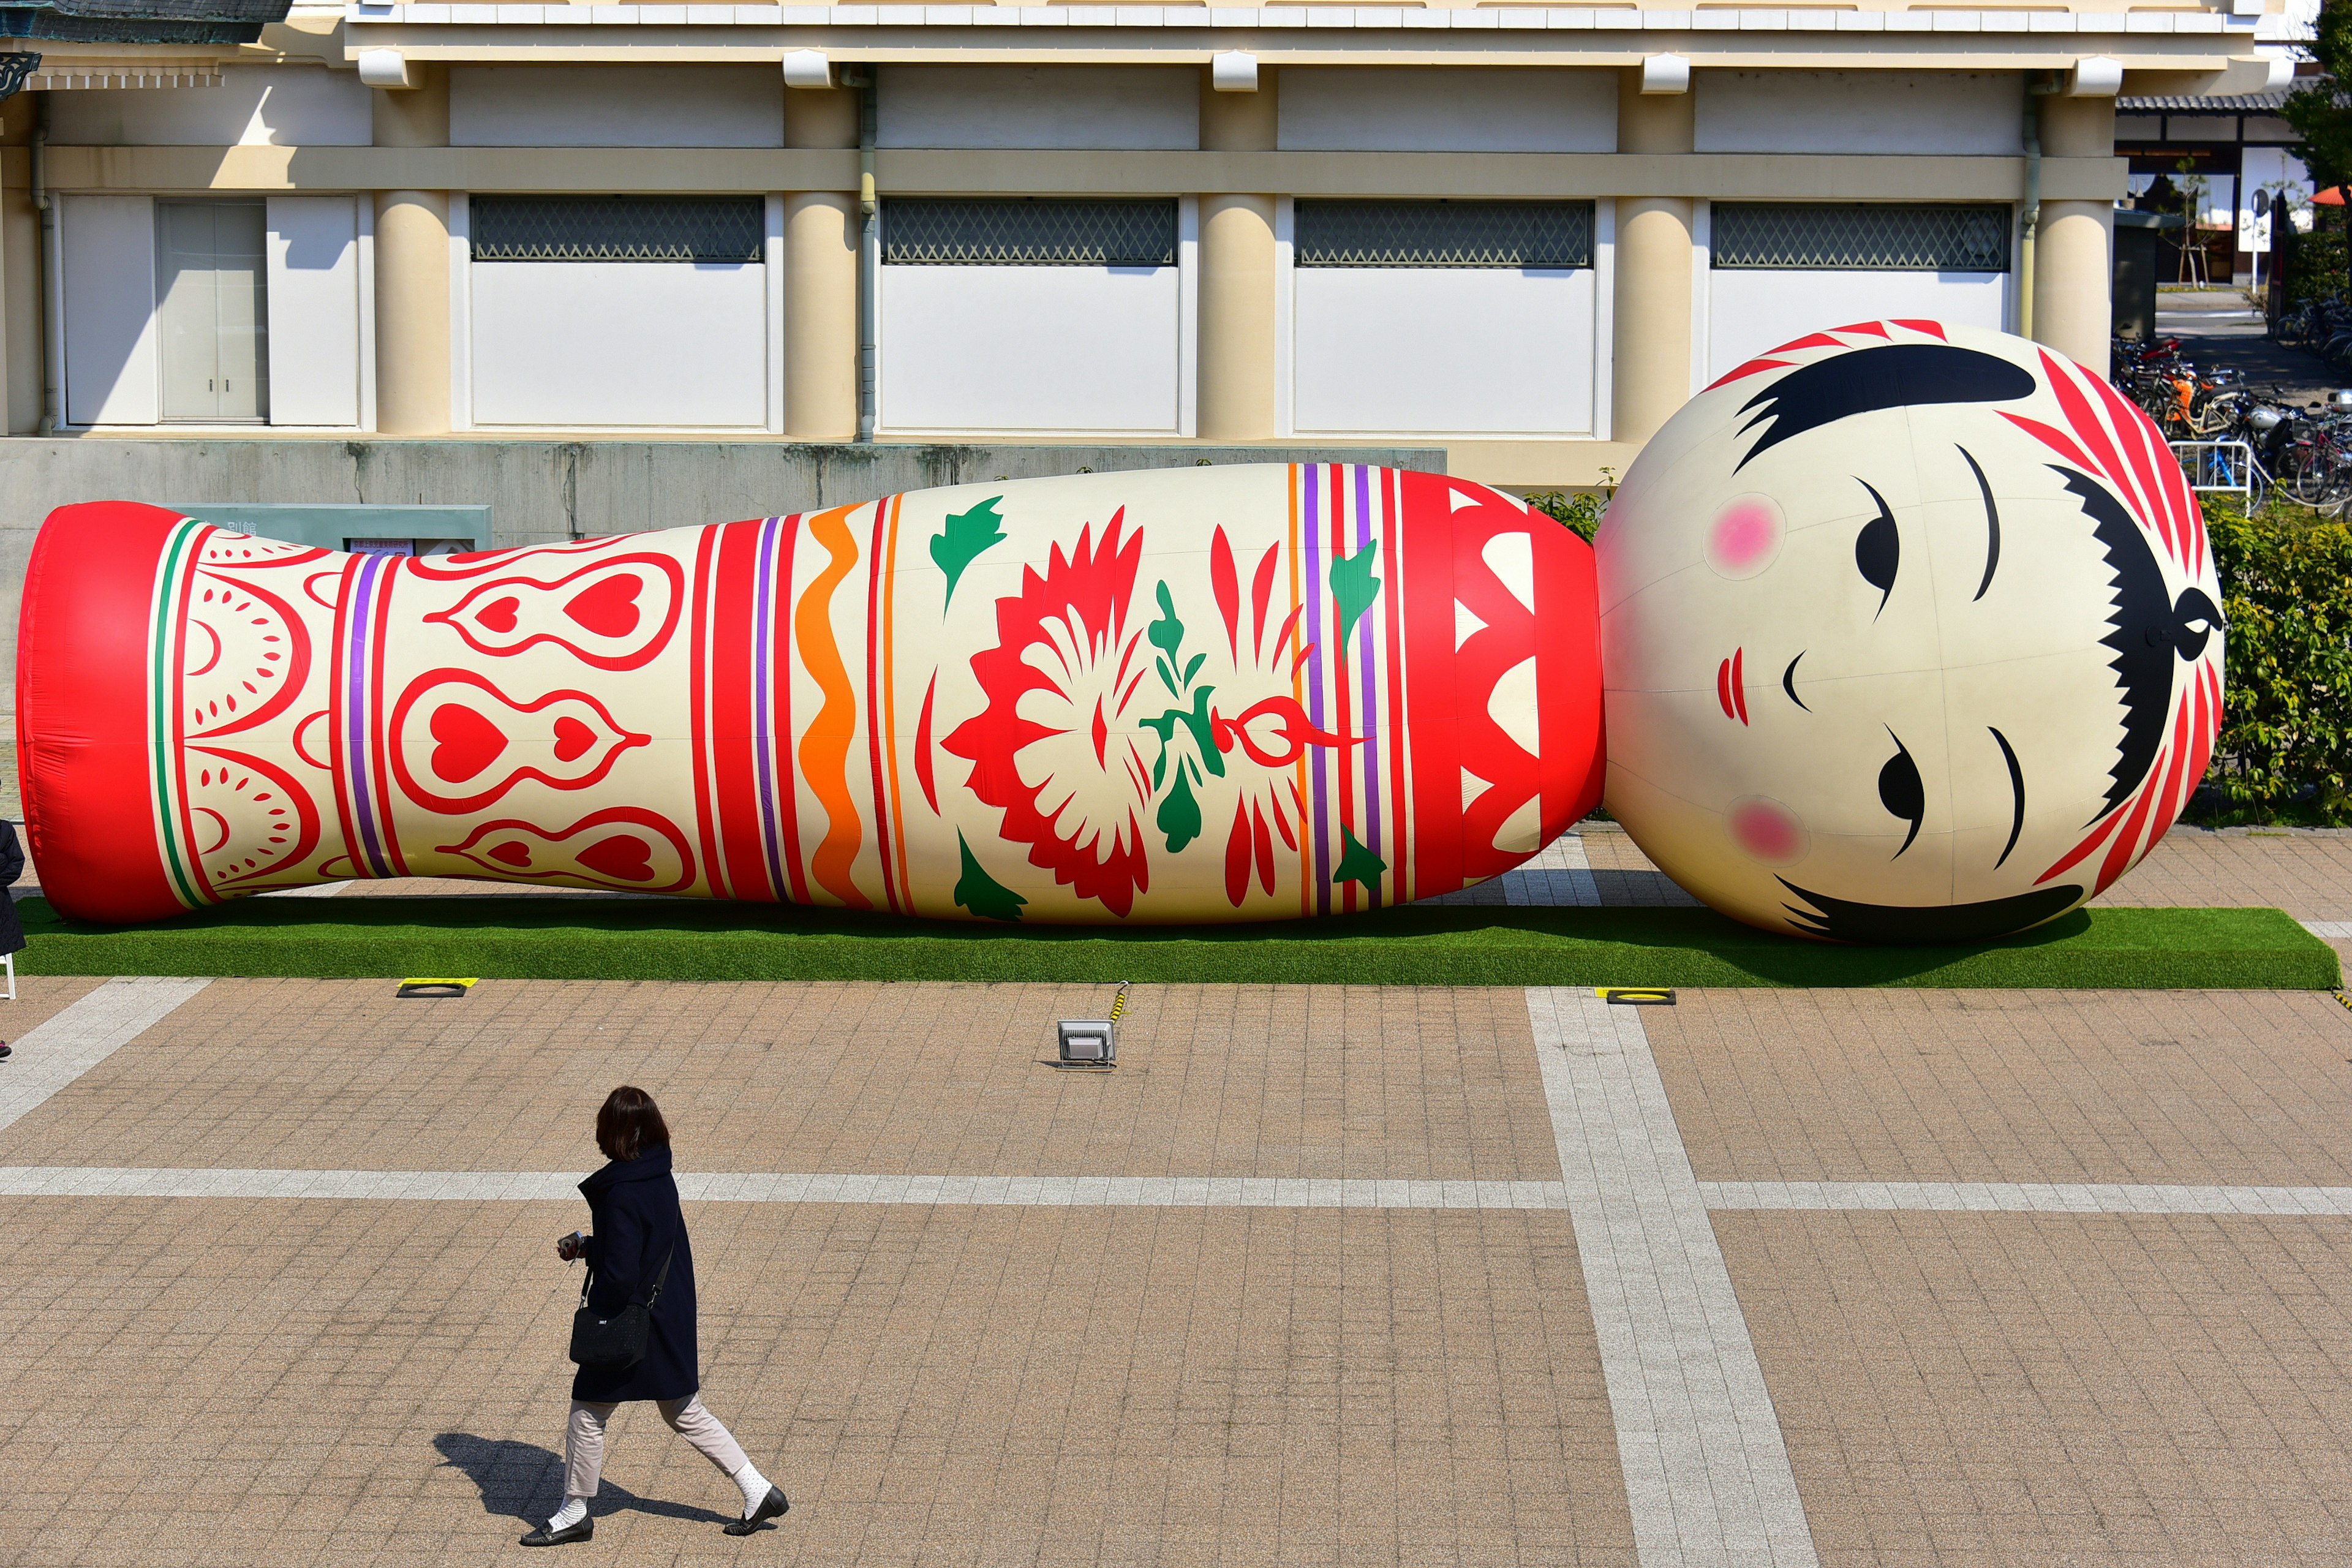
column 1315, row 1277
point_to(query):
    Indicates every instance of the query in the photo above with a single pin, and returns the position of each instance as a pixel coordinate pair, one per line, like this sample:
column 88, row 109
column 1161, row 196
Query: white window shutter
column 314, row 311
column 108, row 287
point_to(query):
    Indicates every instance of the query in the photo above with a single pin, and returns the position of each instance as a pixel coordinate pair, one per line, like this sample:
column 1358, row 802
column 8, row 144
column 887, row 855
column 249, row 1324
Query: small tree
column 2320, row 113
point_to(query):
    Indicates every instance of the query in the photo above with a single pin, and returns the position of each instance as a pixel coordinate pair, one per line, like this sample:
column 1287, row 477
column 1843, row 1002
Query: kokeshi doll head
column 1911, row 633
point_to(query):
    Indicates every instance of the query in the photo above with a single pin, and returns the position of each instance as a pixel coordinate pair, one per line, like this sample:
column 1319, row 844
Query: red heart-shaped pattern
column 512, row 852
column 572, row 740
column 469, row 742
column 624, row 858
column 607, row 607
column 498, row 615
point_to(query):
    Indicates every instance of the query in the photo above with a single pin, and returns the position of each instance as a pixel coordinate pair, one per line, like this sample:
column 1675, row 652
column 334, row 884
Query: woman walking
column 638, row 1255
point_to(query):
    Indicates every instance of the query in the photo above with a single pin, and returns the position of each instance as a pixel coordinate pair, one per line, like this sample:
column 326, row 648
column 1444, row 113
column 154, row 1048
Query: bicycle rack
column 2225, row 468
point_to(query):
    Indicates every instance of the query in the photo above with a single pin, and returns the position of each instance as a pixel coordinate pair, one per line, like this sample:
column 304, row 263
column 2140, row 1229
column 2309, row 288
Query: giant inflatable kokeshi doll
column 1910, row 633
column 1210, row 693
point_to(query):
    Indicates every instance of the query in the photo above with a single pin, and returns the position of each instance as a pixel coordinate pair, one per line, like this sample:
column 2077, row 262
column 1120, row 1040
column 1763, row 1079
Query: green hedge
column 2285, row 751
column 2317, row 271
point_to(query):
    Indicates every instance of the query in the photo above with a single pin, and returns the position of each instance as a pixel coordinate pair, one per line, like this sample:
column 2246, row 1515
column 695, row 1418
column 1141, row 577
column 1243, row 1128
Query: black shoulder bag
column 618, row 1340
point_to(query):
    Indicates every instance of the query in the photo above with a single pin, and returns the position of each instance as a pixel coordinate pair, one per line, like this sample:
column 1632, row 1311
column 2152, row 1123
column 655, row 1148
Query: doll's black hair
column 1893, row 375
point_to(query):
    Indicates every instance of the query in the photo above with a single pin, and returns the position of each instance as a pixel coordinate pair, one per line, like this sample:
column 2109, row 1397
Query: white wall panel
column 1069, row 349
column 616, row 106
column 1442, row 351
column 1447, row 110
column 1749, row 312
column 1860, row 111
column 618, row 344
column 284, row 106
column 1117, row 107
column 314, row 311
column 108, row 284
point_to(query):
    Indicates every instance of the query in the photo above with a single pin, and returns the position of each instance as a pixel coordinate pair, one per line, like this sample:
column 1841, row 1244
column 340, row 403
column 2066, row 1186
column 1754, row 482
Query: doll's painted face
column 1910, row 634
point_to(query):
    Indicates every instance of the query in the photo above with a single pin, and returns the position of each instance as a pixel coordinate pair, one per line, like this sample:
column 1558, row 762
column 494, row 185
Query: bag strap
column 659, row 1279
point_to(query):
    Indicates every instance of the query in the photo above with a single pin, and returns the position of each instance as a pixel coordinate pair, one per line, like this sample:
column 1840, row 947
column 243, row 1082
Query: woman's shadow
column 525, row 1481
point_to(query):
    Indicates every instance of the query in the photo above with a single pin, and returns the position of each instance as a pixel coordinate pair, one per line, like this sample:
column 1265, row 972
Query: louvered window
column 1042, row 231
column 617, row 228
column 1554, row 235
column 1860, row 236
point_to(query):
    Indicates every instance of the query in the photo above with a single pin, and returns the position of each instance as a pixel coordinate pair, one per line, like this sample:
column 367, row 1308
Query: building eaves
column 142, row 21
column 2232, row 103
column 1510, row 18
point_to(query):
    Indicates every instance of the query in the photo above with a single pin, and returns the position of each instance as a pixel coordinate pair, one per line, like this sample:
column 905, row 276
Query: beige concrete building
column 1519, row 232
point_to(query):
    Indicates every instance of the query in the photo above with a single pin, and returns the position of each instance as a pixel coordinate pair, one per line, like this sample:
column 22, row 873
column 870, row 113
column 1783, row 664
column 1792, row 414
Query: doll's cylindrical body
column 1203, row 694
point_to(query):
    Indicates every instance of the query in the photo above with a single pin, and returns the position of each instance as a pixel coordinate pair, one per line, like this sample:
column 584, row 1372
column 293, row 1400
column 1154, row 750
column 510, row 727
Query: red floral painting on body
column 1055, row 749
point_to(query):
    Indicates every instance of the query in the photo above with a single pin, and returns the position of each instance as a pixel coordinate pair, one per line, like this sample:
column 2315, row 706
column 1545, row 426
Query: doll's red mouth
column 1727, row 687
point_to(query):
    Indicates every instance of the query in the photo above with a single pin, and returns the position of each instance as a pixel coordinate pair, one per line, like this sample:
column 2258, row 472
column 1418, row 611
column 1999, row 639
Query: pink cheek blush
column 1745, row 537
column 1768, row 831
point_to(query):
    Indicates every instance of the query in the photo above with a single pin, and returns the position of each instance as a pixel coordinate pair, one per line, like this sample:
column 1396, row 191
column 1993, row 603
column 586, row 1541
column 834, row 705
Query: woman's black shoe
column 543, row 1536
column 774, row 1504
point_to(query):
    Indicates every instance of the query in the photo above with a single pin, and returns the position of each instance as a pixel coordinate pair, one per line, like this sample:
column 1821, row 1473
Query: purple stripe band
column 355, row 714
column 763, row 674
column 1316, row 630
column 1370, row 704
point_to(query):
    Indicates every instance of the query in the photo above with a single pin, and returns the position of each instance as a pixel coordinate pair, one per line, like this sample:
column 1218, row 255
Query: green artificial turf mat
column 615, row 939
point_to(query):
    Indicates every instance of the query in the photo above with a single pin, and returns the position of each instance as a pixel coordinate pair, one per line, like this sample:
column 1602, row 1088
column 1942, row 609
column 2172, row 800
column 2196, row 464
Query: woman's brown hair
column 630, row 1124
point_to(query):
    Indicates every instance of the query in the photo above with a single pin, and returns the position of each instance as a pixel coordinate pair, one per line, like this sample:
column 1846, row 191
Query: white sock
column 574, row 1511
column 754, row 1485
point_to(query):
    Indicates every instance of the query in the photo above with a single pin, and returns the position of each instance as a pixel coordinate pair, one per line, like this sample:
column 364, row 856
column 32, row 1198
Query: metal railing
column 2224, row 468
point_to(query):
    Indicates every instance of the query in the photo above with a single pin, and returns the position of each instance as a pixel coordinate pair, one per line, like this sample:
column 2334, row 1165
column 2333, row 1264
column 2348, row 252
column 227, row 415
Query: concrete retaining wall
column 541, row 490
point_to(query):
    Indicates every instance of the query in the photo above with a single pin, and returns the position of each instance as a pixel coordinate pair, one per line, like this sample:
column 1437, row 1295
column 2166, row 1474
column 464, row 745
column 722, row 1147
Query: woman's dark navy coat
column 637, row 1222
column 12, row 866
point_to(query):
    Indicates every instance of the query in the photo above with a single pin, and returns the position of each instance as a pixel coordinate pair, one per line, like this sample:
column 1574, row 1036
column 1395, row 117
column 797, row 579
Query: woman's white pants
column 583, row 1440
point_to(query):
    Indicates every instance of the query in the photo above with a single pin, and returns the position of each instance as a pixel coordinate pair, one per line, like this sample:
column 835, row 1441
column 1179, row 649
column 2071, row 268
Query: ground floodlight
column 1087, row 1043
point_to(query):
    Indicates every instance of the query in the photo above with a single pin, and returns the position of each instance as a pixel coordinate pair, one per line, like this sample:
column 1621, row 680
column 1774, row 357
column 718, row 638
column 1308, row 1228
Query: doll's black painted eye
column 1900, row 791
column 1878, row 550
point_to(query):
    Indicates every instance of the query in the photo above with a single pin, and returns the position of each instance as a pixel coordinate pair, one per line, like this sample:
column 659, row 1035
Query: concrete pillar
column 1237, row 274
column 1652, row 350
column 20, row 291
column 412, row 268
column 820, row 230
column 2073, row 264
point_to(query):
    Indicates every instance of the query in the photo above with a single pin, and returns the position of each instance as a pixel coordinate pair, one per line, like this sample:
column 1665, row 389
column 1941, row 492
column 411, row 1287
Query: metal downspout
column 53, row 344
column 869, row 253
column 2038, row 86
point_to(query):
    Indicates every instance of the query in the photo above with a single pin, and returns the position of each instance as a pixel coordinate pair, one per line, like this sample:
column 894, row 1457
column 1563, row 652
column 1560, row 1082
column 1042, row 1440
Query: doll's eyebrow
column 1992, row 525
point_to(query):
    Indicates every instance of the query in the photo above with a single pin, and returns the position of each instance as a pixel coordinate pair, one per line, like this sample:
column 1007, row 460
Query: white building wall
column 1447, row 110
column 282, row 106
column 1077, row 350
column 1751, row 311
column 1442, row 351
column 1944, row 112
column 314, row 311
column 616, row 106
column 617, row 344
column 107, row 289
column 1110, row 108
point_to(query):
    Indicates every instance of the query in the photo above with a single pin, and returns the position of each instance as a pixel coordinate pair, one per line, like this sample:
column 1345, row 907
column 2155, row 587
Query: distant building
column 1524, row 233
column 2237, row 146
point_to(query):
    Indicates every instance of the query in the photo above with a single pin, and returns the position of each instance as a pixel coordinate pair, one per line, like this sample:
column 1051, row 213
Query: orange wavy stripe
column 824, row 748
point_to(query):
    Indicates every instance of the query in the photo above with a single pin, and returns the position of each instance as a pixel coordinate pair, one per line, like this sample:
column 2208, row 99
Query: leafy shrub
column 1579, row 513
column 2285, row 750
column 2317, row 271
